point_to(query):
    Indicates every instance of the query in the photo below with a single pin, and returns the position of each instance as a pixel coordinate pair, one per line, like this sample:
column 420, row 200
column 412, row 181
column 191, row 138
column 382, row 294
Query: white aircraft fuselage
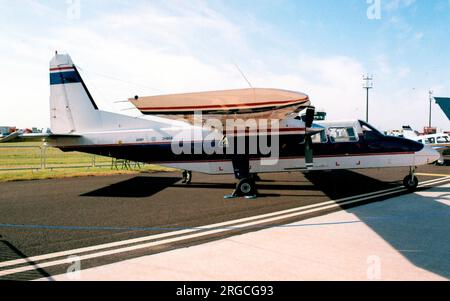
column 78, row 124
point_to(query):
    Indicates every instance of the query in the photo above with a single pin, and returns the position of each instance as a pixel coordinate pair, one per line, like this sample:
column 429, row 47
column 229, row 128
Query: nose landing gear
column 187, row 177
column 410, row 181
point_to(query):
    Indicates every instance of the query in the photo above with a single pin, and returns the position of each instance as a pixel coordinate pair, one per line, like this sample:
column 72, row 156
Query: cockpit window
column 342, row 134
column 367, row 127
column 369, row 132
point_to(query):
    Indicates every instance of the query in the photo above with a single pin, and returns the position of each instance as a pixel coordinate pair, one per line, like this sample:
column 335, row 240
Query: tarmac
column 404, row 238
column 152, row 222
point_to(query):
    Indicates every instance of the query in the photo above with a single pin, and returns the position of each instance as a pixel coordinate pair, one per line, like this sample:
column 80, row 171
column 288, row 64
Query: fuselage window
column 352, row 135
column 431, row 140
column 342, row 134
column 443, row 139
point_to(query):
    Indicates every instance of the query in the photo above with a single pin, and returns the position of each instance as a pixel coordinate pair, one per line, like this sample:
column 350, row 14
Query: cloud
column 394, row 5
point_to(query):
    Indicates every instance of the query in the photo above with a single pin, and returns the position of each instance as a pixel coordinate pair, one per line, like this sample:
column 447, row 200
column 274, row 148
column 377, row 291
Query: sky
column 321, row 48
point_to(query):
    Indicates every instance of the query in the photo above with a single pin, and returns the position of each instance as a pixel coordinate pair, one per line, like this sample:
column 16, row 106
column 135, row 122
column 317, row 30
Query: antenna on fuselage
column 246, row 79
column 243, row 75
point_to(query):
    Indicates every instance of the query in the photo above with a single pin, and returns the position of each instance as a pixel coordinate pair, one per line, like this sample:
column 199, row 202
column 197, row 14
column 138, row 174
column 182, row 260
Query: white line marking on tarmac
column 261, row 219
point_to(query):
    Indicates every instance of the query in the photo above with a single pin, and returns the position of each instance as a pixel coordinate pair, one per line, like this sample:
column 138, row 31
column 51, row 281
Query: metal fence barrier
column 21, row 157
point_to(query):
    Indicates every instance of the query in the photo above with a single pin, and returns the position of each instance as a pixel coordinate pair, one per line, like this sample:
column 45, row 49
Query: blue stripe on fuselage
column 67, row 77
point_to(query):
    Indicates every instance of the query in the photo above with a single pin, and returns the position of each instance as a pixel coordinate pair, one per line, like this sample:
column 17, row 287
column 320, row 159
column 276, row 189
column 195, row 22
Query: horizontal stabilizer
column 10, row 137
column 63, row 136
column 35, row 136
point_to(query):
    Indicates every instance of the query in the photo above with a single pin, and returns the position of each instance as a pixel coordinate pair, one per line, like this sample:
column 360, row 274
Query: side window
column 352, row 135
column 342, row 134
column 431, row 140
column 442, row 139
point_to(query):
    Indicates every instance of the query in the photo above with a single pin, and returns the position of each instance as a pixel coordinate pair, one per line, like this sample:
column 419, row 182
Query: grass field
column 30, row 160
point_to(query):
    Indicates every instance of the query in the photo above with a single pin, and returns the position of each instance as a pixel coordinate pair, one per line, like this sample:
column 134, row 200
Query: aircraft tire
column 246, row 187
column 411, row 183
column 189, row 177
column 440, row 163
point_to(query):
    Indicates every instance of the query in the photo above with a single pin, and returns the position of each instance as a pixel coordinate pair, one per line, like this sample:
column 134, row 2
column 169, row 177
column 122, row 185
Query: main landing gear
column 246, row 186
column 410, row 181
column 256, row 177
column 187, row 177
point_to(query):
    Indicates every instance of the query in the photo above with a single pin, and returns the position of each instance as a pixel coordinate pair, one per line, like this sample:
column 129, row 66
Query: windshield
column 368, row 128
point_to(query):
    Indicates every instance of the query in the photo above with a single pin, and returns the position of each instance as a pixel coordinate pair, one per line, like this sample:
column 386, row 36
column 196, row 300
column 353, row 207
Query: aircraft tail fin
column 72, row 107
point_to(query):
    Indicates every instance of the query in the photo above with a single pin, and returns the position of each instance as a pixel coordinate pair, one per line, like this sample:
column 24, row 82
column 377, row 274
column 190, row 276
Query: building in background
column 6, row 130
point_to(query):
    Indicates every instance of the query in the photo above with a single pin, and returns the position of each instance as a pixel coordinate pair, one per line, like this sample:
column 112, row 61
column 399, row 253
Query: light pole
column 368, row 84
column 430, row 94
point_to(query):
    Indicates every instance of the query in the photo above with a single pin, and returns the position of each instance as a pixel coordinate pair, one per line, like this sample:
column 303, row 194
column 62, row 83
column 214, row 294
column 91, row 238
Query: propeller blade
column 309, row 159
column 309, row 117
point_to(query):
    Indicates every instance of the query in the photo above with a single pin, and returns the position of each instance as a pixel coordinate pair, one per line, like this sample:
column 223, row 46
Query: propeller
column 308, row 119
column 309, row 116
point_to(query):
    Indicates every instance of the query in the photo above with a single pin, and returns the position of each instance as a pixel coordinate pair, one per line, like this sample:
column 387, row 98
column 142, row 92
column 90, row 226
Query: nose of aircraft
column 427, row 155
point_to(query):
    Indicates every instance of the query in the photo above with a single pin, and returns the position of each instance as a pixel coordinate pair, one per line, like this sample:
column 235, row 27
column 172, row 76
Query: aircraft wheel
column 411, row 183
column 187, row 177
column 246, row 187
column 439, row 163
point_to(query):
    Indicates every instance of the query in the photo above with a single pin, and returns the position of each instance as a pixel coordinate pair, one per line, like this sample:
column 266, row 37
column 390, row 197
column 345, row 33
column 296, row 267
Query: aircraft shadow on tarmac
column 9, row 251
column 144, row 186
column 137, row 187
column 346, row 183
column 334, row 184
column 262, row 185
column 418, row 230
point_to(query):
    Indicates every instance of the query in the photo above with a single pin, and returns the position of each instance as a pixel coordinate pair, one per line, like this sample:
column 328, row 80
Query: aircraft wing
column 254, row 103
